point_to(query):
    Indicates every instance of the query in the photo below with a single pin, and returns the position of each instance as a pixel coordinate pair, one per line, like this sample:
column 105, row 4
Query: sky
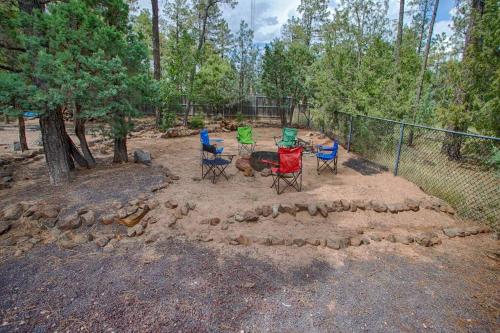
column 271, row 15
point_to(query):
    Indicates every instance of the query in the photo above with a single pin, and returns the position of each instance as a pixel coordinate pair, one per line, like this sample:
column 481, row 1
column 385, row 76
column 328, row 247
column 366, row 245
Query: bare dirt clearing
column 181, row 273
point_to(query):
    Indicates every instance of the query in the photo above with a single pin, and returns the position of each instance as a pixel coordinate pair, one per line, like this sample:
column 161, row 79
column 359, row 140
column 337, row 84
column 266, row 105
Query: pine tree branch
column 10, row 69
column 12, row 48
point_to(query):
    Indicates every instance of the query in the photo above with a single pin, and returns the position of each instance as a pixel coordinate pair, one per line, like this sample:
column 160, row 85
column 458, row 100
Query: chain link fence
column 460, row 168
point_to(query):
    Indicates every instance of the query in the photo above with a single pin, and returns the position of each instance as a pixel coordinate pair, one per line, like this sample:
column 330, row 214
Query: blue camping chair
column 212, row 160
column 326, row 157
column 205, row 140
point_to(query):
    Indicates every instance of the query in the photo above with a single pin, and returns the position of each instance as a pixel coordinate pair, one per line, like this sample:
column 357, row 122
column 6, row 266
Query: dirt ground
column 190, row 279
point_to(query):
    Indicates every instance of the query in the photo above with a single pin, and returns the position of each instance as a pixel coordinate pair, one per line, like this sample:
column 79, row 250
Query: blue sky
column 270, row 15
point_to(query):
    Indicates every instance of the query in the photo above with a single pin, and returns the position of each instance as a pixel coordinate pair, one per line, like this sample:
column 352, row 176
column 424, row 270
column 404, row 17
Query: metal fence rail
column 456, row 167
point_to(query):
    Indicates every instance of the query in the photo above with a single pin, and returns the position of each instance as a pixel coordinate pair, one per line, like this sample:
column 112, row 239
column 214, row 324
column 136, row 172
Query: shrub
column 197, row 122
column 167, row 120
column 240, row 118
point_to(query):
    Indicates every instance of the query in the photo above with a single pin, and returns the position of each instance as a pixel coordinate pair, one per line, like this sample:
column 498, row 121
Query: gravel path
column 193, row 288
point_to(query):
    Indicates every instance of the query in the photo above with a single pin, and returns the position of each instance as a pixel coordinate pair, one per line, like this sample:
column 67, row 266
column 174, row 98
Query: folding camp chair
column 205, row 140
column 213, row 162
column 288, row 169
column 326, row 157
column 287, row 139
column 245, row 140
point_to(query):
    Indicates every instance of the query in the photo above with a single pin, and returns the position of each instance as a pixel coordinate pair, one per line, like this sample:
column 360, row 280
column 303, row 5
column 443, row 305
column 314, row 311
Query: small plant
column 240, row 118
column 196, row 122
column 167, row 120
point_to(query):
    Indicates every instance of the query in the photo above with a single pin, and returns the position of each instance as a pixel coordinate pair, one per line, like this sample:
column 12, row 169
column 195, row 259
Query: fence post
column 349, row 137
column 398, row 151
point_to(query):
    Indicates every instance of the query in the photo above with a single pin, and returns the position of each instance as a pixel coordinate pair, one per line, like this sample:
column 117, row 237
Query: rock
column 174, row 177
column 353, row 207
column 403, row 239
column 346, row 204
column 299, row 242
column 142, row 156
column 323, row 210
column 266, row 210
column 242, row 240
column 276, row 211
column 102, row 241
column 472, row 230
column 171, row 204
column 48, row 223
column 88, row 218
column 137, row 230
column 18, row 253
column 360, row 204
column 427, row 239
column 337, row 242
column 365, row 241
column 336, row 206
column 286, row 208
column 134, row 218
column 4, row 227
column 13, row 212
column 447, row 209
column 313, row 241
column 258, row 211
column 185, row 210
column 243, row 164
column 151, row 238
column 178, row 213
column 72, row 221
column 395, row 208
column 112, row 244
column 413, row 205
column 239, row 217
column 454, row 232
column 16, row 146
column 224, row 226
column 152, row 204
column 356, row 241
column 191, row 205
column 378, row 206
column 109, row 218
column 213, row 221
column 277, row 241
column 171, row 220
column 376, row 237
column 266, row 172
column 251, row 216
column 312, row 208
column 300, row 207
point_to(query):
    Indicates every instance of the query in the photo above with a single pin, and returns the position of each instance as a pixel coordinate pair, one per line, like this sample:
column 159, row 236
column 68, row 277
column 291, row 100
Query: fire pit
column 257, row 157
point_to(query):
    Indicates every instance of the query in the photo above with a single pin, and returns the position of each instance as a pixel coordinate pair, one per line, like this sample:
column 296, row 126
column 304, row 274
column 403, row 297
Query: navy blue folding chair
column 205, row 140
column 326, row 157
column 213, row 162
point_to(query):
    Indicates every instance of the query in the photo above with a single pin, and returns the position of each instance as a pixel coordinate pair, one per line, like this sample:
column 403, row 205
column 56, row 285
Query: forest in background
column 106, row 60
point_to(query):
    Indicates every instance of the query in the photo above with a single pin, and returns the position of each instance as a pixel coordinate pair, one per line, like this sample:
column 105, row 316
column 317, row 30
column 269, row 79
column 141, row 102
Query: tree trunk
column 22, row 133
column 156, row 51
column 292, row 109
column 56, row 148
column 80, row 134
column 120, row 150
column 399, row 37
column 423, row 69
column 422, row 27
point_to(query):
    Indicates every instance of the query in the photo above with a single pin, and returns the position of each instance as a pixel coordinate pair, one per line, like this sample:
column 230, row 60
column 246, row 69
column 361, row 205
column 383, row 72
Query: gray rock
column 136, row 230
column 72, row 221
column 360, row 204
column 346, row 204
column 239, row 217
column 185, row 209
column 286, row 208
column 337, row 243
column 13, row 212
column 312, row 208
column 266, row 172
column 171, row 204
column 378, row 206
column 454, row 232
column 266, row 210
column 142, row 156
column 102, row 241
column 376, row 237
column 356, row 241
column 313, row 241
column 4, row 227
column 413, row 205
column 299, row 242
column 427, row 239
column 276, row 210
column 300, row 207
column 323, row 210
column 211, row 221
column 258, row 211
column 88, row 218
column 251, row 216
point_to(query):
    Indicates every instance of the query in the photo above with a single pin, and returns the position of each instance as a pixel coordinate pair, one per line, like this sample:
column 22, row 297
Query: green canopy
column 245, row 136
column 288, row 138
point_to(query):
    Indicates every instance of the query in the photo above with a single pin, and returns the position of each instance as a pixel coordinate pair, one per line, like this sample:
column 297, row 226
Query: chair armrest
column 217, row 140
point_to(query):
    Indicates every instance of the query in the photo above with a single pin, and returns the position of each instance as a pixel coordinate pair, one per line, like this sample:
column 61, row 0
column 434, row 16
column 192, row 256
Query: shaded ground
column 190, row 288
column 364, row 167
column 175, row 284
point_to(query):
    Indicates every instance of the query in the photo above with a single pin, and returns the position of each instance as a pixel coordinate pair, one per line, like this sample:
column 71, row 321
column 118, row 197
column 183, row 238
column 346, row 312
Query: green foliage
column 197, row 122
column 167, row 120
column 240, row 119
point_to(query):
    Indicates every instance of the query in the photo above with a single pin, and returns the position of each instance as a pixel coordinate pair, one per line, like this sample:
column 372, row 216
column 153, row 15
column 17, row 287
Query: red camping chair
column 288, row 169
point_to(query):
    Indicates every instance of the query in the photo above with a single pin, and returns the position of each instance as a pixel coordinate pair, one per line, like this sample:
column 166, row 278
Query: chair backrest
column 290, row 159
column 245, row 133
column 289, row 134
column 204, row 137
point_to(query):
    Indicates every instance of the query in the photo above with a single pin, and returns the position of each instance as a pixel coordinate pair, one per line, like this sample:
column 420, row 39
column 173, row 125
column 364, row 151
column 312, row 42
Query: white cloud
column 443, row 26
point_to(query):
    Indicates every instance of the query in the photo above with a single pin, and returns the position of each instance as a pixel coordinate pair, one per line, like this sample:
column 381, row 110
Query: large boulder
column 142, row 156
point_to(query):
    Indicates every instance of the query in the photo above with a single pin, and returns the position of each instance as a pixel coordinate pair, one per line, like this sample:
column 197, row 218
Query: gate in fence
column 461, row 168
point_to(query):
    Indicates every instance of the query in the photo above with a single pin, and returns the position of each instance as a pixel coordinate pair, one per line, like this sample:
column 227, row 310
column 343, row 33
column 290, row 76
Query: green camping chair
column 287, row 139
column 245, row 140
